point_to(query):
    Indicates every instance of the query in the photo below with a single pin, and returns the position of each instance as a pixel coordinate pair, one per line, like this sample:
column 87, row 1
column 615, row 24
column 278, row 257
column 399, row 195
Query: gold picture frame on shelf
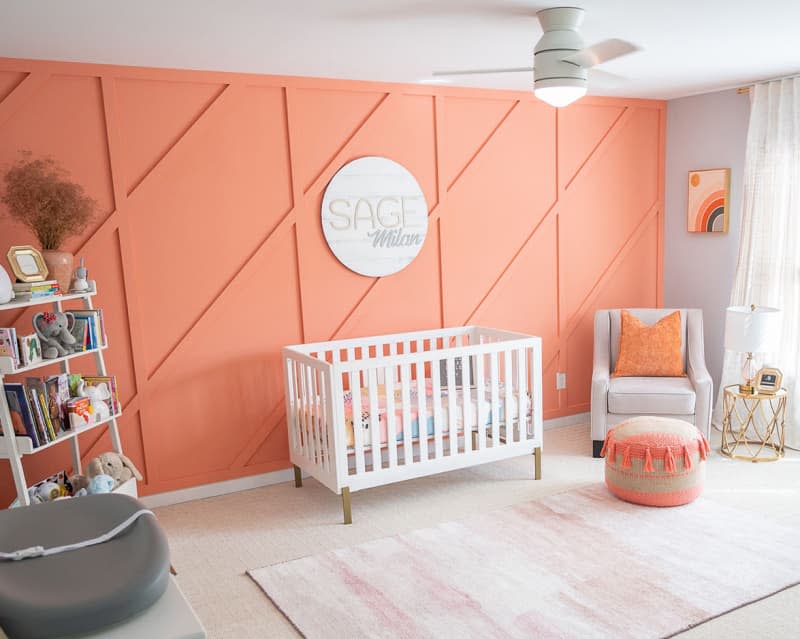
column 27, row 263
column 768, row 381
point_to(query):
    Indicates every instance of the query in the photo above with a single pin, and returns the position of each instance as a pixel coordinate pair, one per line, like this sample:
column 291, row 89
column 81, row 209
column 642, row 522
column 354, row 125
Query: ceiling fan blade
column 443, row 9
column 482, row 71
column 601, row 52
column 609, row 79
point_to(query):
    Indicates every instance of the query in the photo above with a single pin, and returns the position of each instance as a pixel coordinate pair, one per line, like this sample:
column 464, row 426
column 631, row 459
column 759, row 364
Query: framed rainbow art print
column 708, row 203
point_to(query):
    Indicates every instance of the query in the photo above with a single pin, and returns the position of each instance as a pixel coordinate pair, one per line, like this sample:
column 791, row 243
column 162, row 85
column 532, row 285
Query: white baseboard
column 568, row 420
column 218, row 488
column 281, row 476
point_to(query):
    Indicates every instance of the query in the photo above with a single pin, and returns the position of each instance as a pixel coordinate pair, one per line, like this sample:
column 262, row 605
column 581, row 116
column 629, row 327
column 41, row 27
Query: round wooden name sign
column 374, row 216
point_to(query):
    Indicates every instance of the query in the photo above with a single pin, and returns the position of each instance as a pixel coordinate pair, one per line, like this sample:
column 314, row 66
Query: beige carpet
column 214, row 541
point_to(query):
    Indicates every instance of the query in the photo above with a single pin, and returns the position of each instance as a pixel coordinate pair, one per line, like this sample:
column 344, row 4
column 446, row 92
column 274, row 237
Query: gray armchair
column 615, row 399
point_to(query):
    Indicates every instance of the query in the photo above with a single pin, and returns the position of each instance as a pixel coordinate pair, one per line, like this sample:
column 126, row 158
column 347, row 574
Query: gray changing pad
column 82, row 590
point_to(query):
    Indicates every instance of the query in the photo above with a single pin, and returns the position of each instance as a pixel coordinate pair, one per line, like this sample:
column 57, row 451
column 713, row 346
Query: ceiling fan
column 560, row 61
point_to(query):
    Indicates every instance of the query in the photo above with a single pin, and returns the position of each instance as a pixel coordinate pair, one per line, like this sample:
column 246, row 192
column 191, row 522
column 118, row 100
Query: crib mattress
column 474, row 396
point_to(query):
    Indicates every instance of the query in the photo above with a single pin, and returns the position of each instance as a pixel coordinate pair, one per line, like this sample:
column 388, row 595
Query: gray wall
column 703, row 132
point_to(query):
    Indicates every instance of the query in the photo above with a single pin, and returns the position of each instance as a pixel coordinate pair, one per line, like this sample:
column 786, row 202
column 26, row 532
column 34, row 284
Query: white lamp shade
column 752, row 331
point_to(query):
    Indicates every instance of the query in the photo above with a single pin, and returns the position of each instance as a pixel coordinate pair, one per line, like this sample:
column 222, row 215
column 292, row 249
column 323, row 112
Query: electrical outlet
column 561, row 381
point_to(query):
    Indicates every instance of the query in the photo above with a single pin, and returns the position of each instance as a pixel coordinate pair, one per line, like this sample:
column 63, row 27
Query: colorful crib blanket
column 473, row 394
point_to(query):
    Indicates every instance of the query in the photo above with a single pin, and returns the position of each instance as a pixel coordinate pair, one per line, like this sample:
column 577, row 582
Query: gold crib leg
column 537, row 462
column 474, row 440
column 348, row 515
column 298, row 477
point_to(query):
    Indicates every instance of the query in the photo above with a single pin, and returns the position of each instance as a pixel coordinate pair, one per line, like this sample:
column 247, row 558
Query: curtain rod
column 749, row 87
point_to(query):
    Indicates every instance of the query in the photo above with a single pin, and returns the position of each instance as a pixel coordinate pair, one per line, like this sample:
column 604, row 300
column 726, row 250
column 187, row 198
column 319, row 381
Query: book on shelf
column 45, row 285
column 95, row 326
column 57, row 398
column 80, row 331
column 38, row 417
column 24, row 291
column 20, row 411
column 30, row 349
column 38, row 389
column 8, row 344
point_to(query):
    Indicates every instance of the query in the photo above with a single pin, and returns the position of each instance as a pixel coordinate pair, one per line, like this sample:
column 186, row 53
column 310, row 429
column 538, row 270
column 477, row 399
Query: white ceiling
column 687, row 47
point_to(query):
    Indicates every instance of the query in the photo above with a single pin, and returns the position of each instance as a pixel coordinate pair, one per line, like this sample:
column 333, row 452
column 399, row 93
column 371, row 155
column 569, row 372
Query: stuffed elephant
column 97, row 396
column 53, row 330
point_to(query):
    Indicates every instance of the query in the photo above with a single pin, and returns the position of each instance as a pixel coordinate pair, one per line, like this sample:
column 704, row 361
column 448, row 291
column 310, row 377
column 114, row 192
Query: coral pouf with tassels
column 655, row 461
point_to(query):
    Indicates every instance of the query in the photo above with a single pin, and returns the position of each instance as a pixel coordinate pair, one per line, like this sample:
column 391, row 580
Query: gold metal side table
column 753, row 425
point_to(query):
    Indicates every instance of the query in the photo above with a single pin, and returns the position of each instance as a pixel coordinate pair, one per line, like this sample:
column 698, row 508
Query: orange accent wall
column 209, row 254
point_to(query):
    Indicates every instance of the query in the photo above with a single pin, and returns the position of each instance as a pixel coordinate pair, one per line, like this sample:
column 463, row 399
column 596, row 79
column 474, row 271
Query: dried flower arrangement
column 39, row 194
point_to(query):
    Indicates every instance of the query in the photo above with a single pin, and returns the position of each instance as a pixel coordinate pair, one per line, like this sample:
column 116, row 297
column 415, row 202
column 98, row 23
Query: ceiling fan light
column 560, row 96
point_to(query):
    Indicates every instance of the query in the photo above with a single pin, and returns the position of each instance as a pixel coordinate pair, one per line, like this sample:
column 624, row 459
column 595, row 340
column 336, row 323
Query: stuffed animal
column 101, row 483
column 53, row 330
column 116, row 465
column 46, row 491
column 97, row 396
column 77, row 483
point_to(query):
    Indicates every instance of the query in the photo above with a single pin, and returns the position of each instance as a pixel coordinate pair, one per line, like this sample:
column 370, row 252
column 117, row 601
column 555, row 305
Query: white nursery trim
column 216, row 489
column 566, row 420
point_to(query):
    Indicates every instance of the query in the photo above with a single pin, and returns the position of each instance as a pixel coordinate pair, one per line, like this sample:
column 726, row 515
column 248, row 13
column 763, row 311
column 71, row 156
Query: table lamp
column 751, row 329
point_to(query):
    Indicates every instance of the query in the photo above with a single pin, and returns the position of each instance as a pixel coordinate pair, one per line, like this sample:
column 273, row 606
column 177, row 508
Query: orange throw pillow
column 649, row 351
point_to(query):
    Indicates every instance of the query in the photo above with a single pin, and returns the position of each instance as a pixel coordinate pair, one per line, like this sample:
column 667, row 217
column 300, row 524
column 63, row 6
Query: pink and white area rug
column 576, row 564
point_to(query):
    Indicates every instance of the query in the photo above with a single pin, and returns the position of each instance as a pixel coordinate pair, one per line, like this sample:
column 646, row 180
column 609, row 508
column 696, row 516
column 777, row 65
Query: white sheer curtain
column 768, row 271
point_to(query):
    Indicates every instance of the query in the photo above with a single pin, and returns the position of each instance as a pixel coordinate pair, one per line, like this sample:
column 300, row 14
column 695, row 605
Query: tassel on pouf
column 626, row 458
column 669, row 461
column 648, row 461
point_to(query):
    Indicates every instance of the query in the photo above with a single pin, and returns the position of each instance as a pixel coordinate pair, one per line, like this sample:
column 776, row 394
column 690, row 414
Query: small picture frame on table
column 768, row 381
column 27, row 263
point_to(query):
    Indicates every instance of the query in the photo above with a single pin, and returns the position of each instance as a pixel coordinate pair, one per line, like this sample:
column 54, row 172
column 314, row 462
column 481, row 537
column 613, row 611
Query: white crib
column 419, row 394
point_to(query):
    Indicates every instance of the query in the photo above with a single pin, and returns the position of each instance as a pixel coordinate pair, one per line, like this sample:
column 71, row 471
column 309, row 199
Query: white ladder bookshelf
column 13, row 446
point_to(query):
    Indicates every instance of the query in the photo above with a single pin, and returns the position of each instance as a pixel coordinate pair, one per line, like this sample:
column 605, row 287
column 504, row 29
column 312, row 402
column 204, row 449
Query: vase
column 59, row 268
column 6, row 289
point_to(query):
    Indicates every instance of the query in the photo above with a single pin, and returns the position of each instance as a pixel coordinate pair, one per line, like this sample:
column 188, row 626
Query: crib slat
column 358, row 426
column 422, row 413
column 391, row 418
column 291, row 402
column 405, row 399
column 522, row 394
column 322, row 420
column 452, row 407
column 374, row 419
column 480, row 398
column 351, row 355
column 305, row 408
column 393, row 351
column 536, row 390
column 437, row 409
column 319, row 411
column 312, row 413
column 325, row 410
column 495, row 381
column 508, row 377
column 466, row 399
column 302, row 410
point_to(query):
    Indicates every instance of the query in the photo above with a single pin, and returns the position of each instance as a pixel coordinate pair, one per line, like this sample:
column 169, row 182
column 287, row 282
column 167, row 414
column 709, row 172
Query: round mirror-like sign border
column 374, row 216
